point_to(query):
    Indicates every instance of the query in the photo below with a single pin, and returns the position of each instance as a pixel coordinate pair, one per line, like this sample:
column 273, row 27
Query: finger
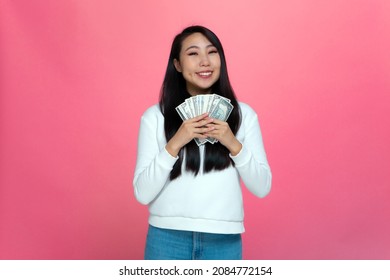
column 200, row 117
column 203, row 122
column 216, row 121
column 200, row 136
column 203, row 129
column 212, row 125
column 211, row 134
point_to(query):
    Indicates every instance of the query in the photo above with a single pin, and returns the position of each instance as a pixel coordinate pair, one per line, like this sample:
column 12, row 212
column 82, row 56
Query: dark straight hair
column 174, row 92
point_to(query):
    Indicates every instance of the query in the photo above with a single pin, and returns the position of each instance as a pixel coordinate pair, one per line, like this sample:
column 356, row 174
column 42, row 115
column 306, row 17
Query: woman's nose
column 204, row 61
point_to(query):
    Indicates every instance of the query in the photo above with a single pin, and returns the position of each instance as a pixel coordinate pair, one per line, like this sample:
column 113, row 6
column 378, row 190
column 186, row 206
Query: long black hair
column 174, row 92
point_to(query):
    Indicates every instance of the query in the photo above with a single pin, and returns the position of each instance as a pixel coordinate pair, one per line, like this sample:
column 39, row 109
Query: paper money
column 217, row 106
column 222, row 110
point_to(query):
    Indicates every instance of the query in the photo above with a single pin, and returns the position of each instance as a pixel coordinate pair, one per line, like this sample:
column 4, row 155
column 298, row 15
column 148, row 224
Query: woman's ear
column 177, row 65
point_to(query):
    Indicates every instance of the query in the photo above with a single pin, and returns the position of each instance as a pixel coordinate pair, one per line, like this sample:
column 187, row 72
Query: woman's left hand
column 222, row 132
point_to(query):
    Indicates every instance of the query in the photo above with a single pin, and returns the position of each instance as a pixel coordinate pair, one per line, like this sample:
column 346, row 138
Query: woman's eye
column 192, row 53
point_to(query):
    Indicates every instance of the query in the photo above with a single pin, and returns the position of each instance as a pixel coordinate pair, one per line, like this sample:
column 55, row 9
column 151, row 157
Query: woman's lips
column 204, row 74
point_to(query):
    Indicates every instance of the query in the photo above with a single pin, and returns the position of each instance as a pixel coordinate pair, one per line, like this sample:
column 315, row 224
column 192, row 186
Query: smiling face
column 200, row 64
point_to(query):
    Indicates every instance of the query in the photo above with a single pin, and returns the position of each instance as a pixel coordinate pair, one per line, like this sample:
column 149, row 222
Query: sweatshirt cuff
column 166, row 159
column 242, row 157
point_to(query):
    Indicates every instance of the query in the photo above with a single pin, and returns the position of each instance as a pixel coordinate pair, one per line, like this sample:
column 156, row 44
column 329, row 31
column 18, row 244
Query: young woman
column 193, row 192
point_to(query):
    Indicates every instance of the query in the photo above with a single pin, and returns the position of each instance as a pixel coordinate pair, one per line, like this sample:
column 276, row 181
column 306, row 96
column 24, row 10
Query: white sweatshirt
column 209, row 202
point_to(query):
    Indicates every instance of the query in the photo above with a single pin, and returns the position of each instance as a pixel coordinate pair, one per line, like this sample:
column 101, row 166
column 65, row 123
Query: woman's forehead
column 196, row 40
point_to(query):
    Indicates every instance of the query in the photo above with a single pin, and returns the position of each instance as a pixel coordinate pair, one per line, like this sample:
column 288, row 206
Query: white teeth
column 205, row 74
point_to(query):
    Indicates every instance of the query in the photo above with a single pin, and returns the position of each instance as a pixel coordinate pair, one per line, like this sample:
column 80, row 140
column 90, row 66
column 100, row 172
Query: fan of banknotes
column 217, row 106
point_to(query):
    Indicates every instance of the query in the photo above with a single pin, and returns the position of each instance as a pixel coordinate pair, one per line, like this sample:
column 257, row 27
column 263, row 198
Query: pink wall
column 75, row 77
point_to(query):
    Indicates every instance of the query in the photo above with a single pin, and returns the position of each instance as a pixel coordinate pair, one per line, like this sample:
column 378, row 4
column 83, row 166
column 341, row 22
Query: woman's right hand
column 189, row 129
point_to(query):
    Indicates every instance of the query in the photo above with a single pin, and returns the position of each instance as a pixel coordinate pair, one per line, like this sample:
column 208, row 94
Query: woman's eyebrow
column 197, row 47
column 191, row 47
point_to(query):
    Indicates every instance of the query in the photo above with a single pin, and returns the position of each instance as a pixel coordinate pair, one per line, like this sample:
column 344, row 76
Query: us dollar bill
column 222, row 110
column 184, row 111
column 217, row 106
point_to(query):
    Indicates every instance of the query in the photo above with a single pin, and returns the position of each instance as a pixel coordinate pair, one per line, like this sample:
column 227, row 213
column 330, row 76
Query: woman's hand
column 189, row 129
column 222, row 132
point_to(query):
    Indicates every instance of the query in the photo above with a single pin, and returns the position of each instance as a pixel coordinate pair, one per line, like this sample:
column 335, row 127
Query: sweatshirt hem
column 198, row 225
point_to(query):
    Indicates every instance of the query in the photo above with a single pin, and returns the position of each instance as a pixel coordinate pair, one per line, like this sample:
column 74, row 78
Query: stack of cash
column 217, row 106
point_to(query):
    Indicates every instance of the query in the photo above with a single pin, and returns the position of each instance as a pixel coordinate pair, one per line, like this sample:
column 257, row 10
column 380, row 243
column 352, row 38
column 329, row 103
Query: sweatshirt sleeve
column 251, row 162
column 153, row 163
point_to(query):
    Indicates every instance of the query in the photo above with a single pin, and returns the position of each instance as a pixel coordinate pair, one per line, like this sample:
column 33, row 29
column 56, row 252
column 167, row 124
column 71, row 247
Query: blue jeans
column 168, row 244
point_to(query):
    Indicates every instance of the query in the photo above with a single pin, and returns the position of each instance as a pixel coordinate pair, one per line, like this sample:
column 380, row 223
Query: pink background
column 75, row 77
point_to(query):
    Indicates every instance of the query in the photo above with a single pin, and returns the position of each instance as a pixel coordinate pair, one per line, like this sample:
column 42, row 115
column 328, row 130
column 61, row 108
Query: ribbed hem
column 242, row 158
column 165, row 159
column 198, row 225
